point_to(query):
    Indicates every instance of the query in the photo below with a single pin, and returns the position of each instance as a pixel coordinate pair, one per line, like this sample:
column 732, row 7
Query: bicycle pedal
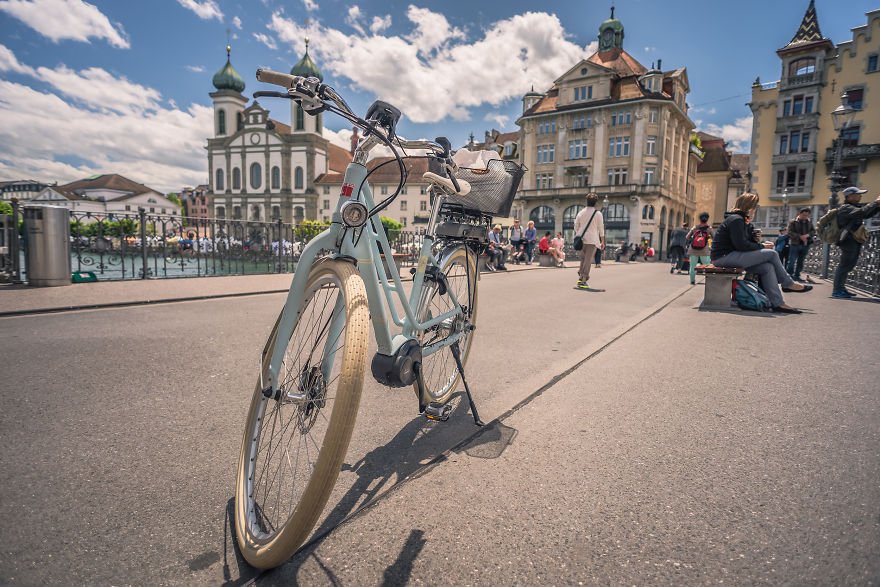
column 437, row 412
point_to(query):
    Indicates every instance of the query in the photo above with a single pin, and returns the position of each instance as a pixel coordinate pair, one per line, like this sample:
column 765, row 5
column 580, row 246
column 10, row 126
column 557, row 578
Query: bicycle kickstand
column 456, row 353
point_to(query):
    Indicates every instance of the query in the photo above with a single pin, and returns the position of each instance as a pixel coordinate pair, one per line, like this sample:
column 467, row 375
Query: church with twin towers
column 261, row 169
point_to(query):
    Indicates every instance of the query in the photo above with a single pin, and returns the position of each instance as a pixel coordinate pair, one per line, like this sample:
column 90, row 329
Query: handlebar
column 279, row 79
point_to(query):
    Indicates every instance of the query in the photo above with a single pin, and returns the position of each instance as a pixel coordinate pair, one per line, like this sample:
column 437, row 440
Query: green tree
column 392, row 227
column 5, row 208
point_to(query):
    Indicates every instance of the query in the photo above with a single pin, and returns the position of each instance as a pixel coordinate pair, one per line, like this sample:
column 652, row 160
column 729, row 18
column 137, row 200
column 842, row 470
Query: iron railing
column 144, row 246
column 865, row 276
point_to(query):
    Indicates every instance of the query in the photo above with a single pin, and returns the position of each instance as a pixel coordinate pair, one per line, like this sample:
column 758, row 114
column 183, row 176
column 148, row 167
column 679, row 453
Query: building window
column 236, row 212
column 808, row 105
column 790, row 176
column 256, row 173
column 128, row 208
column 220, row 212
column 403, row 205
column 546, row 153
column 276, row 177
column 221, row 122
column 872, row 63
column 547, row 127
column 850, row 136
column 326, row 189
column 802, row 67
column 403, row 221
column 786, row 109
column 802, row 179
column 650, row 175
column 236, row 178
column 276, row 212
column 423, row 206
column 326, row 204
column 651, row 146
column 544, row 181
column 423, row 190
column 615, row 213
column 783, row 144
column 577, row 149
column 508, row 149
column 300, row 119
column 805, row 142
column 384, row 190
column 797, row 106
column 582, row 93
column 403, row 191
column 780, row 180
column 648, row 212
column 622, row 118
column 617, row 175
column 618, row 147
column 579, row 179
column 218, row 180
column 653, row 115
column 298, row 178
column 855, row 98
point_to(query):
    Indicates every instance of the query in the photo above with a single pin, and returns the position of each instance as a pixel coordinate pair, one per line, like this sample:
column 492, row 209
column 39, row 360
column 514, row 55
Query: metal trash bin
column 47, row 230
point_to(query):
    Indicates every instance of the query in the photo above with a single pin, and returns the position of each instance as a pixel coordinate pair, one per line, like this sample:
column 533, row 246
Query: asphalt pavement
column 634, row 439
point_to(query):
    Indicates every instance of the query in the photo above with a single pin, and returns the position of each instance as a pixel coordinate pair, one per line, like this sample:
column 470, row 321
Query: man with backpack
column 800, row 236
column 698, row 245
column 850, row 220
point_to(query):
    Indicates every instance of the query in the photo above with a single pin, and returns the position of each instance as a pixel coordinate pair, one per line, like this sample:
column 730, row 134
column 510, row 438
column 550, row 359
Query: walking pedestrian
column 698, row 245
column 800, row 237
column 736, row 244
column 677, row 244
column 850, row 218
column 598, row 256
column 516, row 235
column 590, row 226
column 781, row 245
column 531, row 237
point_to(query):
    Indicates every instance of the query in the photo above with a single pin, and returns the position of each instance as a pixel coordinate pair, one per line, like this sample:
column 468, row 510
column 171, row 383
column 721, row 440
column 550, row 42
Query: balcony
column 855, row 152
column 800, row 80
column 629, row 189
column 794, row 158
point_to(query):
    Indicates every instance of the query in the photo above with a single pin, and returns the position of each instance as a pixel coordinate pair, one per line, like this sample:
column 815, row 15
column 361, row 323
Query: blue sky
column 123, row 85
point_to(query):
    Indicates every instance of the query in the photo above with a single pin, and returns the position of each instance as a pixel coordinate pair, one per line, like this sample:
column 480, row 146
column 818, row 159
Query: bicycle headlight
column 354, row 214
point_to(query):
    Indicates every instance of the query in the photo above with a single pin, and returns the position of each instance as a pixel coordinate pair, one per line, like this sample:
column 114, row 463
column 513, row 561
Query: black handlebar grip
column 274, row 77
column 444, row 142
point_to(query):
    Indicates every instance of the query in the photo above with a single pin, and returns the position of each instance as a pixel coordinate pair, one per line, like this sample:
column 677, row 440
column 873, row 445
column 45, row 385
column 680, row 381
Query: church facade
column 261, row 169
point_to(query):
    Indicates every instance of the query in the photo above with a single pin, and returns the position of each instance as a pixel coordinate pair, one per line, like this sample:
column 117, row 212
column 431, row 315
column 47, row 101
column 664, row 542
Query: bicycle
column 312, row 367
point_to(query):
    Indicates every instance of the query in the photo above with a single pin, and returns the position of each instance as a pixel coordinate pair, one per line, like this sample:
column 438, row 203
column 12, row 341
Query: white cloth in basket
column 474, row 159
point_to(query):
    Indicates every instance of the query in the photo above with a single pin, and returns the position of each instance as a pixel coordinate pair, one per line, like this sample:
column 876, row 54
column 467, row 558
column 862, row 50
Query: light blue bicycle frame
column 363, row 246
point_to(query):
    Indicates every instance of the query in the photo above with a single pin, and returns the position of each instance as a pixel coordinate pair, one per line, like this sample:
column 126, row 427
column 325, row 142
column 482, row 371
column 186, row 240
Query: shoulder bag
column 579, row 240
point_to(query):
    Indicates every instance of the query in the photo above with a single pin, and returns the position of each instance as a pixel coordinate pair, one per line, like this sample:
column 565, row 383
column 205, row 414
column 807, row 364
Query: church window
column 218, row 181
column 221, row 122
column 276, row 177
column 236, row 178
column 300, row 118
column 256, row 173
column 298, row 178
column 239, row 118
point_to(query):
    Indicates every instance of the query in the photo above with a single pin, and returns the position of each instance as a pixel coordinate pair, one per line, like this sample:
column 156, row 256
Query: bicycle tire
column 439, row 369
column 264, row 543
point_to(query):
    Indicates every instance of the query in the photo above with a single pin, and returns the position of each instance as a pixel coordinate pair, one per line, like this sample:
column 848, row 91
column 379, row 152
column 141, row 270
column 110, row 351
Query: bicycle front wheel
column 439, row 370
column 296, row 437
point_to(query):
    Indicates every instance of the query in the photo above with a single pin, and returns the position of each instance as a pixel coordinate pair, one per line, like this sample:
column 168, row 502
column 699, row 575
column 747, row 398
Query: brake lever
column 270, row 94
column 451, row 174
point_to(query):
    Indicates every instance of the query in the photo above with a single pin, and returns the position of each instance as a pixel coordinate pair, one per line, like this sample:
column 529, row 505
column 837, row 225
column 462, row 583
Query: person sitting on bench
column 736, row 245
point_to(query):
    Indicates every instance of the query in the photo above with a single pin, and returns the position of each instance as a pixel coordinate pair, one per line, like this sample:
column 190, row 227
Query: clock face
column 607, row 37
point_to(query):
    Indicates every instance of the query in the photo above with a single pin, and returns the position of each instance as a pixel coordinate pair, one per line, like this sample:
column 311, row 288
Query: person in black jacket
column 736, row 244
column 850, row 216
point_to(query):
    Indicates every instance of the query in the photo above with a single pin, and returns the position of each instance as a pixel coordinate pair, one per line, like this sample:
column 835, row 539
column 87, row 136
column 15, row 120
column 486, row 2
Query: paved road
column 121, row 428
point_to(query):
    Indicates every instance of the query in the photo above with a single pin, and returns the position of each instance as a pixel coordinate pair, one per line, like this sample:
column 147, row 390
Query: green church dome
column 227, row 78
column 306, row 67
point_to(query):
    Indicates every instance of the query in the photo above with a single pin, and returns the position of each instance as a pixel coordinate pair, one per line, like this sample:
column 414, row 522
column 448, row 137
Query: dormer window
column 582, row 93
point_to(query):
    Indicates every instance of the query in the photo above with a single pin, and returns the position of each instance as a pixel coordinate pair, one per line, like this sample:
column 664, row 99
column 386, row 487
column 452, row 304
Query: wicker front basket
column 492, row 188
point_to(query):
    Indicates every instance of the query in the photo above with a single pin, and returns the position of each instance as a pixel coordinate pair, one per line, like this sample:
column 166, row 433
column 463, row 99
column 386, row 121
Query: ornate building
column 793, row 136
column 261, row 169
column 613, row 126
column 721, row 177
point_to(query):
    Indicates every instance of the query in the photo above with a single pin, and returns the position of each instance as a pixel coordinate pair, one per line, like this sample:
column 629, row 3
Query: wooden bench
column 718, row 293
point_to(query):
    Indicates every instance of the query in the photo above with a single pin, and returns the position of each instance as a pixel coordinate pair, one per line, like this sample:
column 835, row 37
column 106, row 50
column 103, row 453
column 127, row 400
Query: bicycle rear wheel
column 439, row 370
column 296, row 438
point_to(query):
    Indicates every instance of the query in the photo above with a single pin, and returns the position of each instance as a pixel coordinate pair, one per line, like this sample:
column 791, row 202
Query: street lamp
column 842, row 117
column 605, row 201
column 785, row 206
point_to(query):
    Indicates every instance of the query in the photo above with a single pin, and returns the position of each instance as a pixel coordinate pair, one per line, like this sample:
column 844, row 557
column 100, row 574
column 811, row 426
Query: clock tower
column 611, row 34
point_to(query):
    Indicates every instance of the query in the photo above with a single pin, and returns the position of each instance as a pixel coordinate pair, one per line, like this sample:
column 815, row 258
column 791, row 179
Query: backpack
column 700, row 239
column 828, row 229
column 751, row 297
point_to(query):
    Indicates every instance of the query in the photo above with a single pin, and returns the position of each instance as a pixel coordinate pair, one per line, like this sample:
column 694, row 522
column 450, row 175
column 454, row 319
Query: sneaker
column 502, row 268
column 490, row 268
column 583, row 285
column 842, row 295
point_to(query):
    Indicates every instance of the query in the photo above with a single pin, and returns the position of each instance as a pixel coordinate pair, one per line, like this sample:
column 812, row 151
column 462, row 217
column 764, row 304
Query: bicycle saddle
column 446, row 184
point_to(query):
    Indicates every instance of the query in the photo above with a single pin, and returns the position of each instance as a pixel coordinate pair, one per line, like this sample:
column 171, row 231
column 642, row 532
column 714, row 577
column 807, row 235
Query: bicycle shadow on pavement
column 418, row 444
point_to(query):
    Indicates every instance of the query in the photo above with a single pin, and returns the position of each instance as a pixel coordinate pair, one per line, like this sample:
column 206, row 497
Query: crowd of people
column 735, row 242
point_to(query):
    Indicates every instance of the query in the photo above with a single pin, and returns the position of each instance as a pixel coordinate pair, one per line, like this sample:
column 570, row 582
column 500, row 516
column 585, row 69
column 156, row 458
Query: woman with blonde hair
column 737, row 244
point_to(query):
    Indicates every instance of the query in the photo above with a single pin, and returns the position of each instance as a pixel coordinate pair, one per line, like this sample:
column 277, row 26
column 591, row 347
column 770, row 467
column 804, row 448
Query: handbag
column 579, row 240
column 860, row 234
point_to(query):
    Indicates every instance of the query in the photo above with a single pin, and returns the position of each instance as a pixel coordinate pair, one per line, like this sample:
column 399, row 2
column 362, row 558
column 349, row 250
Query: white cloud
column 236, row 22
column 9, row 62
column 435, row 72
column 380, row 24
column 266, row 40
column 650, row 49
column 204, row 9
column 500, row 119
column 66, row 19
column 196, row 68
column 738, row 135
column 310, row 5
column 112, row 125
